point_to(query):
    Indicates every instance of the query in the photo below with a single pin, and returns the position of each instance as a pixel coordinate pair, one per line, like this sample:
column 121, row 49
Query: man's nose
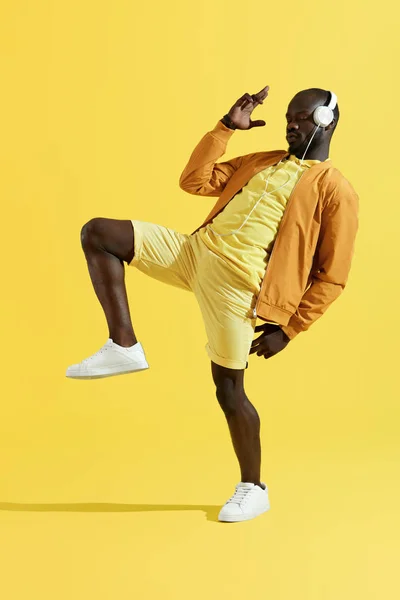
column 292, row 125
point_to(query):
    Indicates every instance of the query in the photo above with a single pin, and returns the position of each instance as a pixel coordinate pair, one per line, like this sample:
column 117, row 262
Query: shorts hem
column 138, row 243
column 226, row 362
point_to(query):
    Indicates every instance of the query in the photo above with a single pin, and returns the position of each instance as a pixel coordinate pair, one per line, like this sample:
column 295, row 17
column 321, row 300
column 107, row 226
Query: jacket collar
column 281, row 154
column 261, row 160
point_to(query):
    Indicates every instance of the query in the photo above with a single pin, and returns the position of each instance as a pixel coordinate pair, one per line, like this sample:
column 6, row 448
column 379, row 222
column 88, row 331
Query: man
column 296, row 216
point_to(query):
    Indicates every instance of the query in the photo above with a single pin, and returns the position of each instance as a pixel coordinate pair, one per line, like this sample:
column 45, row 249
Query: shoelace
column 240, row 495
column 105, row 347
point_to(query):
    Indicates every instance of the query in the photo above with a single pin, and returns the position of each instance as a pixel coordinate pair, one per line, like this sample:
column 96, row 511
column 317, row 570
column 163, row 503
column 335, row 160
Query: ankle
column 124, row 340
column 253, row 480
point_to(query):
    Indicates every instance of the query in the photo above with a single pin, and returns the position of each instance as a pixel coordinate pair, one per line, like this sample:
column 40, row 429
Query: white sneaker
column 111, row 359
column 247, row 502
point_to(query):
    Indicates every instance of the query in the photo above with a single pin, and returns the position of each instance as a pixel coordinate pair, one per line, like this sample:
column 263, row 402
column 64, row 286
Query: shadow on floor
column 211, row 512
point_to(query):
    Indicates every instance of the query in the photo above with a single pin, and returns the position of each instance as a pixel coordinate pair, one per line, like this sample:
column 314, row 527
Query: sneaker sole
column 110, row 373
column 239, row 518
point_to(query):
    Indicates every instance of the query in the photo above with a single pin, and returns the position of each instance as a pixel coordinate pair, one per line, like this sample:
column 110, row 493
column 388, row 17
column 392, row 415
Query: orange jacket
column 311, row 257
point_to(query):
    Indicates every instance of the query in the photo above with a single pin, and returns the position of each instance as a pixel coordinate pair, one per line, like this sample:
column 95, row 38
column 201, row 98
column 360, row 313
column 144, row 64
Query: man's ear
column 331, row 125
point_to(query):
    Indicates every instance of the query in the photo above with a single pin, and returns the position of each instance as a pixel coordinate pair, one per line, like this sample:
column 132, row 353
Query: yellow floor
column 111, row 489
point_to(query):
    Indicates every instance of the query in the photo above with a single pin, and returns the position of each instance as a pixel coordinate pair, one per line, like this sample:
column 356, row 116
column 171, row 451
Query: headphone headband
column 333, row 100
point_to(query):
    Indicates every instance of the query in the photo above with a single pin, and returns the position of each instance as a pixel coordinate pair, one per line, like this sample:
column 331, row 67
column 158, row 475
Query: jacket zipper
column 273, row 249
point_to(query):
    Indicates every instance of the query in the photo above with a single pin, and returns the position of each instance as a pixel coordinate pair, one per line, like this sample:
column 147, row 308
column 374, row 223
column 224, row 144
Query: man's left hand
column 271, row 341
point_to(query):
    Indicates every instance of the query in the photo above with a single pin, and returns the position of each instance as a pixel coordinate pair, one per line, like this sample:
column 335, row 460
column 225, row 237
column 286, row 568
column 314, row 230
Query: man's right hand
column 242, row 109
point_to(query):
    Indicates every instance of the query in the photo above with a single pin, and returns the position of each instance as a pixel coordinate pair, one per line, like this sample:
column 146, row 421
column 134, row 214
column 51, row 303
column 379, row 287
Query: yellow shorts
column 225, row 302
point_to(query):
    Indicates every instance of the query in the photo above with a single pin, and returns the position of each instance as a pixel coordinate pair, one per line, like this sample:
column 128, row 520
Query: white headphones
column 323, row 115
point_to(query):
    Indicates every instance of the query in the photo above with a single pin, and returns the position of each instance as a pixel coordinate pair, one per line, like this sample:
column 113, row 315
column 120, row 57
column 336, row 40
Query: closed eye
column 302, row 117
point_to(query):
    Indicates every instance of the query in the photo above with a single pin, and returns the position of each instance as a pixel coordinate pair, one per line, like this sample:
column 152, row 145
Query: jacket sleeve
column 202, row 176
column 334, row 253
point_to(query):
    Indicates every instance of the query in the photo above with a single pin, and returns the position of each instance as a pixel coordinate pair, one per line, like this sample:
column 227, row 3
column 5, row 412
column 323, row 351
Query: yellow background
column 110, row 489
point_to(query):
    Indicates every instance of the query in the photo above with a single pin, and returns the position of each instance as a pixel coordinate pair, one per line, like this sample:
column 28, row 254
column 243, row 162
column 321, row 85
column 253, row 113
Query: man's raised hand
column 241, row 111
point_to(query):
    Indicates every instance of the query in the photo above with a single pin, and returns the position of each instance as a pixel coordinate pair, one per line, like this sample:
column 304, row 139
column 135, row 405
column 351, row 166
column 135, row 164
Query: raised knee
column 91, row 232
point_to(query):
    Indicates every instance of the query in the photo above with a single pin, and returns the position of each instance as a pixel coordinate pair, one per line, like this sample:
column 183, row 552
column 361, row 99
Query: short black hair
column 324, row 96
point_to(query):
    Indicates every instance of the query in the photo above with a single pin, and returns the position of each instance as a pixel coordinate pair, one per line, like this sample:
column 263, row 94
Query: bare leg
column 242, row 418
column 107, row 243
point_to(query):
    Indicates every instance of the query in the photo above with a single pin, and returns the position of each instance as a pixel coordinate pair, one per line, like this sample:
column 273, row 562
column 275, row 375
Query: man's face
column 300, row 124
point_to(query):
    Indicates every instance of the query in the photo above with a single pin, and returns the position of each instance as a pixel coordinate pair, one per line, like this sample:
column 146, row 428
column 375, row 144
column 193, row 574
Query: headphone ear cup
column 323, row 116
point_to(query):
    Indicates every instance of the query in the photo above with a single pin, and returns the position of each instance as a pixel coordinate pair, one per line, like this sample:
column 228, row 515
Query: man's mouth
column 291, row 137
